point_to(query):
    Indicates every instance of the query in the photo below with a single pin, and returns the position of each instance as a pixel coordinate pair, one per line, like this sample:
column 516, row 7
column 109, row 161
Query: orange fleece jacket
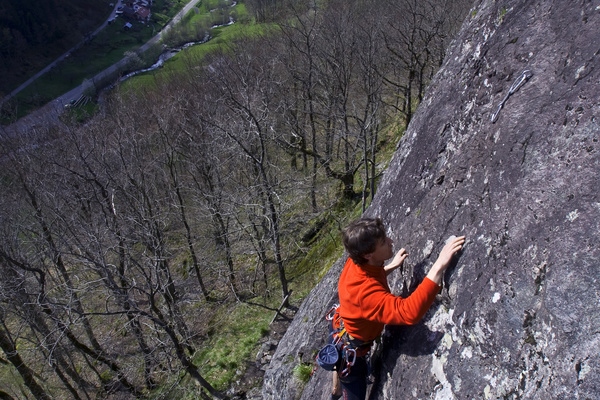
column 366, row 303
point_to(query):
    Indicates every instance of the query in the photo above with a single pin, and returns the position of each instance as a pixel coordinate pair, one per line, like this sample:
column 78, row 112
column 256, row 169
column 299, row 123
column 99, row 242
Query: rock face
column 519, row 314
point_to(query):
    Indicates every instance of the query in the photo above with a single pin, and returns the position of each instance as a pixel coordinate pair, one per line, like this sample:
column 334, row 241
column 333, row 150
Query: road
column 53, row 109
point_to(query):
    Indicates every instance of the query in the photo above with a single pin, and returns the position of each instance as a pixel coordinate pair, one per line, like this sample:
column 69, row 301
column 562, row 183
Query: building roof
column 143, row 12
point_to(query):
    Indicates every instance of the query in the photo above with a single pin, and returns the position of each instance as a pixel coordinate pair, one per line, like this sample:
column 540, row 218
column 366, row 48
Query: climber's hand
column 397, row 261
column 453, row 246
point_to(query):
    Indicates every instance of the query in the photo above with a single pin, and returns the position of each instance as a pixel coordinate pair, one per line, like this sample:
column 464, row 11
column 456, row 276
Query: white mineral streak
column 428, row 249
column 440, row 322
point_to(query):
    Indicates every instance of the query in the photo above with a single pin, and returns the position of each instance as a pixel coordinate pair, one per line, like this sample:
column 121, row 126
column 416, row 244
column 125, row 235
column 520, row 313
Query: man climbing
column 366, row 303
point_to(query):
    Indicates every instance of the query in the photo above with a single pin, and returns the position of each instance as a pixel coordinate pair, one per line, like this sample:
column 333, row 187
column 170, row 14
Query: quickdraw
column 350, row 358
column 520, row 81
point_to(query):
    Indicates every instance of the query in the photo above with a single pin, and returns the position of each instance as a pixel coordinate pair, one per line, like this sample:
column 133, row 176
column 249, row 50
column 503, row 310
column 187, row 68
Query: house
column 143, row 14
column 136, row 11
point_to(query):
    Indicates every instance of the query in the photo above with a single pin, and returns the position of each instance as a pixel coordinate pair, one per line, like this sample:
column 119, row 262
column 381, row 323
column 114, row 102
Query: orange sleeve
column 382, row 306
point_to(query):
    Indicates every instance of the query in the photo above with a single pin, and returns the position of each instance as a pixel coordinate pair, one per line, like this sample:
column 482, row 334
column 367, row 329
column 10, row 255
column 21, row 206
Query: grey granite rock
column 519, row 314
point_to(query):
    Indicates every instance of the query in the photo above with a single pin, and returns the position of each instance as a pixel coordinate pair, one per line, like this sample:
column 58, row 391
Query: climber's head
column 365, row 237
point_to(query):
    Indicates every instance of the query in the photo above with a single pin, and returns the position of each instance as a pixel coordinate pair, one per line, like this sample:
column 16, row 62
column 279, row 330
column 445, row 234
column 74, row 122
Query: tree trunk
column 26, row 373
column 188, row 231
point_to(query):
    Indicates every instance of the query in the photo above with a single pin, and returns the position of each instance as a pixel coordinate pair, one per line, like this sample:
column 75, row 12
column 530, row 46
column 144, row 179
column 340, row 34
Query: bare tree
column 173, row 168
column 321, row 51
column 416, row 36
column 243, row 90
column 47, row 223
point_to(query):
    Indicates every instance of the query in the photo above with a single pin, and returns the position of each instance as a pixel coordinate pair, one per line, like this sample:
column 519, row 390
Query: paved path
column 53, row 109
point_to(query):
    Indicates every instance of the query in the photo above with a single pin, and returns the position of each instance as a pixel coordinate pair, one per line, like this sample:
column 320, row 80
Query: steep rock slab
column 518, row 316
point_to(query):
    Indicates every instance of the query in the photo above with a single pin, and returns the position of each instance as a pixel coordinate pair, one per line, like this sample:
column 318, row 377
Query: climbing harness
column 520, row 81
column 343, row 350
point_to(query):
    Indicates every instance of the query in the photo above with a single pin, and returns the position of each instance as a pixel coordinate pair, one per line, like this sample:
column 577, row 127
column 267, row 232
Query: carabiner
column 350, row 355
column 338, row 336
column 350, row 359
column 345, row 372
column 525, row 75
column 331, row 313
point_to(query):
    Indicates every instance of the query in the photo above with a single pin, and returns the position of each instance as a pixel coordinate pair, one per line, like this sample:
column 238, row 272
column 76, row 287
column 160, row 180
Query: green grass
column 203, row 9
column 82, row 113
column 234, row 342
column 178, row 64
column 302, row 372
column 36, row 56
column 112, row 43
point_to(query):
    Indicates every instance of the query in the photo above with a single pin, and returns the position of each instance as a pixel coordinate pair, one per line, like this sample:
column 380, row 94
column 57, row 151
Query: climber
column 366, row 303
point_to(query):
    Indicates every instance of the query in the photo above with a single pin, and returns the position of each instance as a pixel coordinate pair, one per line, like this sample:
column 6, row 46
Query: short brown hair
column 361, row 238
